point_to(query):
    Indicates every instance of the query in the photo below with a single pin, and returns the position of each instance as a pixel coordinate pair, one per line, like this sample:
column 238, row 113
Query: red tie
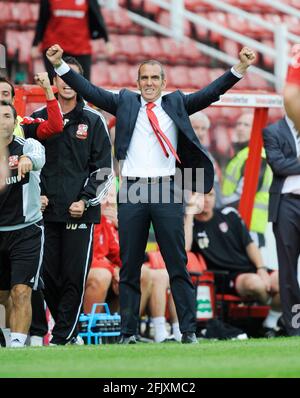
column 159, row 134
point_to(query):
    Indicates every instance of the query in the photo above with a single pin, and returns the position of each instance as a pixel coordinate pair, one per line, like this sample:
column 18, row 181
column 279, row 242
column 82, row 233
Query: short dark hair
column 153, row 62
column 6, row 103
column 73, row 61
column 4, row 80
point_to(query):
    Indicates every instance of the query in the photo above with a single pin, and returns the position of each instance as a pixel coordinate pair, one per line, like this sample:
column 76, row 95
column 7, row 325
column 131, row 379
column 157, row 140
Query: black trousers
column 287, row 235
column 134, row 223
column 67, row 258
column 84, row 60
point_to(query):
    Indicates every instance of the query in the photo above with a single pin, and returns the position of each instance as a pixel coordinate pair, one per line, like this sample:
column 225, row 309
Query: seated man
column 224, row 241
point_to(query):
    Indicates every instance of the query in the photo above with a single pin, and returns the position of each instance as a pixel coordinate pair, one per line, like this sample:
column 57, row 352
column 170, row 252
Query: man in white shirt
column 153, row 136
column 282, row 145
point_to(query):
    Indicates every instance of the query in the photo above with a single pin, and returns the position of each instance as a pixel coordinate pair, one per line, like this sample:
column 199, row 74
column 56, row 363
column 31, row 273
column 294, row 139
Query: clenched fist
column 54, row 55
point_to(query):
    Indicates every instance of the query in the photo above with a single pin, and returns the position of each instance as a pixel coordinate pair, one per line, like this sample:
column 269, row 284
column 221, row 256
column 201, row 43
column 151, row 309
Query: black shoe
column 2, row 339
column 127, row 339
column 189, row 338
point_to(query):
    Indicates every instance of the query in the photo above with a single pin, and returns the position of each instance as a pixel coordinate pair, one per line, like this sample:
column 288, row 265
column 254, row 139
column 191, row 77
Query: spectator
column 75, row 178
column 201, row 124
column 72, row 24
column 149, row 167
column 233, row 180
column 21, row 226
column 282, row 143
column 224, row 241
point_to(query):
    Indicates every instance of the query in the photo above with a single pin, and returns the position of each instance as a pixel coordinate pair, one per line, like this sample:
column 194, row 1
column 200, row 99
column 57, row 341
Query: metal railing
column 279, row 54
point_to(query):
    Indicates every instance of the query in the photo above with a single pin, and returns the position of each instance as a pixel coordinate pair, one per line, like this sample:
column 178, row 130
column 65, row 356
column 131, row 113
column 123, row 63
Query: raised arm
column 203, row 98
column 103, row 99
column 40, row 128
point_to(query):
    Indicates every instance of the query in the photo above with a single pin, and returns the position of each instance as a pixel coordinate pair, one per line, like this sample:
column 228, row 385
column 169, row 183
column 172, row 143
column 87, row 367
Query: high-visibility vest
column 233, row 174
column 18, row 131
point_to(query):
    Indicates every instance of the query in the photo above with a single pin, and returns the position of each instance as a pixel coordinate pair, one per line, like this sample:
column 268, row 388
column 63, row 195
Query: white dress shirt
column 145, row 156
column 292, row 183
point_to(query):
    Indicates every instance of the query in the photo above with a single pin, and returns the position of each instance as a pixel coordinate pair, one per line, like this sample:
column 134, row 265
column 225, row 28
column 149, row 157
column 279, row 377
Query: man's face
column 7, row 122
column 65, row 91
column 200, row 127
column 150, row 82
column 209, row 202
column 5, row 92
column 243, row 127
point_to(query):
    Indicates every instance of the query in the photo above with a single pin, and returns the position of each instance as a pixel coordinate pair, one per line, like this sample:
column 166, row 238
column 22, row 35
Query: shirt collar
column 157, row 102
column 291, row 125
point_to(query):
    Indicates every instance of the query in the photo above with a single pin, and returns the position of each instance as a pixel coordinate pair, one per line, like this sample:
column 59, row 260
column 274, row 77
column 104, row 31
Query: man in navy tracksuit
column 75, row 179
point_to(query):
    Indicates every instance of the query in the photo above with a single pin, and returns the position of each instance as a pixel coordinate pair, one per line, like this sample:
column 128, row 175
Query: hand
column 263, row 274
column 247, row 58
column 76, row 209
column 42, row 79
column 24, row 166
column 195, row 204
column 35, row 52
column 44, row 202
column 54, row 55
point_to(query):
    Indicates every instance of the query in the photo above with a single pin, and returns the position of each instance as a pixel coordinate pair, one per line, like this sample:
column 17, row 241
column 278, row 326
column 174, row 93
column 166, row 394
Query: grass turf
column 278, row 357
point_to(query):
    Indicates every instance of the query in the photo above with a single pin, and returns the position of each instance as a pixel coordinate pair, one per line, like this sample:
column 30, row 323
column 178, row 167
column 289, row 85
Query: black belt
column 150, row 180
column 291, row 195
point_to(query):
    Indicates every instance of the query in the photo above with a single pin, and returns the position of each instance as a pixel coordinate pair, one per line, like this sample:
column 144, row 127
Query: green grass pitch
column 279, row 357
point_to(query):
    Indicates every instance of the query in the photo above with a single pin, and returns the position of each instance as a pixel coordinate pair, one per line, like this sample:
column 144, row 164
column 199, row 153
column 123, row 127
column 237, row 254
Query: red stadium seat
column 5, row 14
column 151, row 47
column 198, row 76
column 219, row 18
column 150, row 7
column 164, row 20
column 189, row 52
column 99, row 74
column 118, row 75
column 179, row 77
column 170, row 48
column 130, row 47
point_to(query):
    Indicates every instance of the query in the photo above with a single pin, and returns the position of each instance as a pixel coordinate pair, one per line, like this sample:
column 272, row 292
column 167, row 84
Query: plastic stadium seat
column 179, row 77
column 21, row 13
column 170, row 48
column 293, row 23
column 98, row 49
column 190, row 52
column 219, row 18
column 231, row 47
column 267, row 60
column 12, row 42
column 215, row 73
column 150, row 7
column 238, row 24
column 5, row 14
column 25, row 43
column 151, row 47
column 256, row 82
column 99, row 74
column 130, row 47
column 118, row 75
column 164, row 20
column 198, row 77
column 201, row 31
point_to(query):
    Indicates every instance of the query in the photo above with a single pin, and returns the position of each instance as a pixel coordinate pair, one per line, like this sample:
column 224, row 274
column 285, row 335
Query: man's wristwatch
column 86, row 203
